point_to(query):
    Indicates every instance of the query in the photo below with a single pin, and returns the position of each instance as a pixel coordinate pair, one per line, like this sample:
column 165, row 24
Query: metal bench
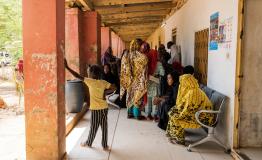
column 111, row 98
column 218, row 101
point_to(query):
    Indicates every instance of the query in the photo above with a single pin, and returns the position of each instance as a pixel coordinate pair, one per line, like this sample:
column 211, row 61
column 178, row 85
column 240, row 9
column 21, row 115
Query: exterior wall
column 250, row 126
column 105, row 39
column 195, row 16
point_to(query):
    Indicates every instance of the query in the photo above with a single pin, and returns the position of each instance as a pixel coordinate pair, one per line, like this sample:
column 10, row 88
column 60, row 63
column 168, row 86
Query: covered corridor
column 82, row 30
column 141, row 140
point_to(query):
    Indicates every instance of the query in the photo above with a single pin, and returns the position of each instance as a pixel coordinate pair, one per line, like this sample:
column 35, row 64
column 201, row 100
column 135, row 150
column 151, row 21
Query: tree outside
column 11, row 28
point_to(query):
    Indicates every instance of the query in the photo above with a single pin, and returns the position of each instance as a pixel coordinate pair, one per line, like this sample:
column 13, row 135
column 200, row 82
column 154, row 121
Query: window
column 174, row 35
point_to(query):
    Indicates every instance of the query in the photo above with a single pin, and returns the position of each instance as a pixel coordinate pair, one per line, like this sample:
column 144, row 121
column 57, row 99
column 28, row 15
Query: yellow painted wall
column 153, row 40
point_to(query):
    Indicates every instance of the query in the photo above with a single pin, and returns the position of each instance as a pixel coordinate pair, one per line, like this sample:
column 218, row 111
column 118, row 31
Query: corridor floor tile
column 130, row 139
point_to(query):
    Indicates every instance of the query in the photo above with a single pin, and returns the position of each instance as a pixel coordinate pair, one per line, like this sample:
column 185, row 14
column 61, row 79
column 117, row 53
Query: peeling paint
column 44, row 62
column 38, row 110
column 52, row 98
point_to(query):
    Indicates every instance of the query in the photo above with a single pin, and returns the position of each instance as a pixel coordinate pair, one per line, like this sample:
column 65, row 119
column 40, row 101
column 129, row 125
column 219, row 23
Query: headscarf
column 134, row 46
column 187, row 83
column 134, row 78
column 191, row 99
column 108, row 56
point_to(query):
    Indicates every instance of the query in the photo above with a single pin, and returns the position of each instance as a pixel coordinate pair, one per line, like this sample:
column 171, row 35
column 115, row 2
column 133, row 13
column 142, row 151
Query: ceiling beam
column 132, row 26
column 179, row 4
column 136, row 14
column 132, row 17
column 133, row 23
column 123, row 2
column 135, row 27
column 133, row 20
column 134, row 8
column 135, row 32
column 134, row 35
column 87, row 5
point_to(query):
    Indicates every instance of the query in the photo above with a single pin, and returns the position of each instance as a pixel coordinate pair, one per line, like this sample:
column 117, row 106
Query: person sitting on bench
column 190, row 99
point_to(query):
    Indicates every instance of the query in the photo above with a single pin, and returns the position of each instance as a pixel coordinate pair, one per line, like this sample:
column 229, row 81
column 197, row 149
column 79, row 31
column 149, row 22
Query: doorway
column 174, row 35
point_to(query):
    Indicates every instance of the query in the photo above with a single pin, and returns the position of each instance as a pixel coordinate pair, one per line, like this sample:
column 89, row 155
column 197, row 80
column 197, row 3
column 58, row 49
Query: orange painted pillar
column 43, row 45
column 114, row 43
column 91, row 37
column 105, row 39
column 73, row 41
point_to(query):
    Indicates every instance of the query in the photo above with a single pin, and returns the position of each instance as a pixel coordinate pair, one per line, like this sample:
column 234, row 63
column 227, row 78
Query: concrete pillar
column 92, row 37
column 115, row 43
column 73, row 41
column 43, row 45
column 105, row 39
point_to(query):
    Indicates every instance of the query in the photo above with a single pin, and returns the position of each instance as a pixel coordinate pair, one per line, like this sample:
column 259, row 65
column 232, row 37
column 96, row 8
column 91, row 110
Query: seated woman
column 113, row 79
column 108, row 57
column 155, row 70
column 109, row 76
column 190, row 99
column 168, row 101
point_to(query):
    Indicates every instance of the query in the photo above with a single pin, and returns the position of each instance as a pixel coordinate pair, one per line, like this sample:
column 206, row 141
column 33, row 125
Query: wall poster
column 225, row 33
column 214, row 21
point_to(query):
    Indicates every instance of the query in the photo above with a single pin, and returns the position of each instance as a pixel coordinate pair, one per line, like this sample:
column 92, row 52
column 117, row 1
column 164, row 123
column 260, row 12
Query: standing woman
column 155, row 69
column 134, row 79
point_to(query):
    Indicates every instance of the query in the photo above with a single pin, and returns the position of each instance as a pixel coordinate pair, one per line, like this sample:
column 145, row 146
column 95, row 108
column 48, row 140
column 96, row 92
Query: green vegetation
column 11, row 27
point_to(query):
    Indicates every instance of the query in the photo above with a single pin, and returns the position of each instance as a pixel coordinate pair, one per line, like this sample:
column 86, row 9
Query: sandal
column 129, row 116
column 174, row 141
column 140, row 118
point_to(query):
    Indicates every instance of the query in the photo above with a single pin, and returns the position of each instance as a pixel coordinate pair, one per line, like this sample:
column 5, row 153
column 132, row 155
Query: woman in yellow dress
column 134, row 79
column 190, row 99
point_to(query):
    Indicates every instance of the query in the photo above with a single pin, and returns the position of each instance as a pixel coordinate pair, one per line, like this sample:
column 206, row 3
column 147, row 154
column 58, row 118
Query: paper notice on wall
column 213, row 41
column 225, row 33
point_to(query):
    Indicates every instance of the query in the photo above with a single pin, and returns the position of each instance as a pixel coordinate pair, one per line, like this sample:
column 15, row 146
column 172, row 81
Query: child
column 98, row 104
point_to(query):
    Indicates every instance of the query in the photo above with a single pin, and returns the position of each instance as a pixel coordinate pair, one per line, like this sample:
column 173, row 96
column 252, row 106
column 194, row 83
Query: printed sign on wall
column 214, row 21
column 225, row 33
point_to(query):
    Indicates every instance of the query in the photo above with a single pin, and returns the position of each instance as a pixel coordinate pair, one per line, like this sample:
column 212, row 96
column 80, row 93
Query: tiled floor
column 252, row 153
column 135, row 140
column 12, row 138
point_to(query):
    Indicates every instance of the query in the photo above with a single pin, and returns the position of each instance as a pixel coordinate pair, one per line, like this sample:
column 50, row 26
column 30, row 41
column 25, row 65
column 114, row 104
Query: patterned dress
column 134, row 76
column 190, row 99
